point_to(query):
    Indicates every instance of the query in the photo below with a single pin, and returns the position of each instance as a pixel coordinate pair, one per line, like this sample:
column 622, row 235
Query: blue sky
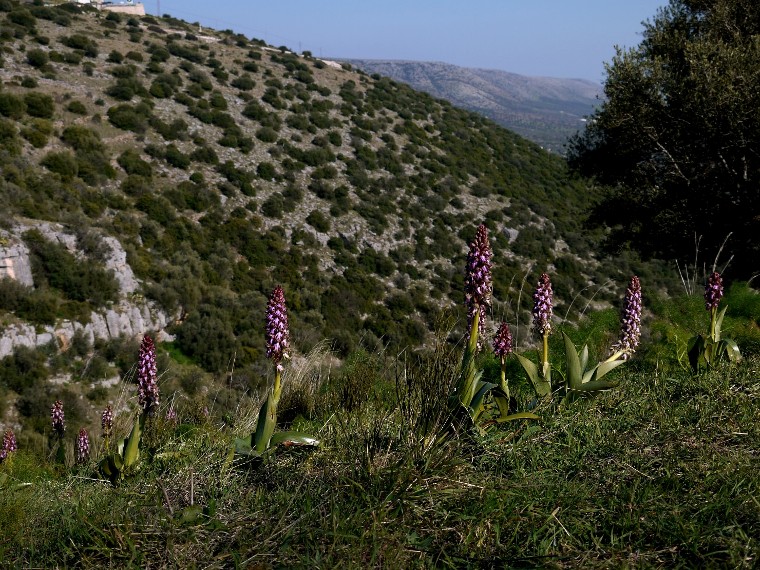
column 556, row 38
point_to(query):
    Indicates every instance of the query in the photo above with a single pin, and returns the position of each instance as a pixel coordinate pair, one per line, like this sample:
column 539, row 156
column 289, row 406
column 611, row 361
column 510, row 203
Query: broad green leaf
column 541, row 386
column 518, row 416
column 605, row 367
column 595, row 385
column 476, row 405
column 132, row 444
column 584, row 358
column 468, row 377
column 731, row 349
column 573, row 363
column 719, row 323
column 191, row 514
column 265, row 424
column 696, row 352
column 242, row 446
column 293, row 438
column 502, row 401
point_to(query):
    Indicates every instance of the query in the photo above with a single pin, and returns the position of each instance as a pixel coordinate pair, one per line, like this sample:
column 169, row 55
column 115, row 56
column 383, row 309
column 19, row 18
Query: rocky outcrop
column 14, row 260
column 132, row 316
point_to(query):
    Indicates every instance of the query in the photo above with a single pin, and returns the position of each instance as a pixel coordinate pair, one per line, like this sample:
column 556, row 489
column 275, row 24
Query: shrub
column 82, row 43
column 81, row 138
column 115, row 57
column 126, row 117
column 176, row 158
column 62, row 163
column 318, row 221
column 76, row 107
column 132, row 163
column 39, row 105
column 79, row 279
column 37, row 58
column 38, row 132
column 245, row 82
column 12, row 106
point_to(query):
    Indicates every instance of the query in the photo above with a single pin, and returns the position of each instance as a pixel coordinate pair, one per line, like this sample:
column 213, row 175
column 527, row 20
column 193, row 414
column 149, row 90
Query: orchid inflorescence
column 713, row 291
column 276, row 331
column 83, row 447
column 630, row 320
column 477, row 280
column 147, row 376
column 9, row 445
column 502, row 342
column 58, row 418
column 106, row 422
column 542, row 305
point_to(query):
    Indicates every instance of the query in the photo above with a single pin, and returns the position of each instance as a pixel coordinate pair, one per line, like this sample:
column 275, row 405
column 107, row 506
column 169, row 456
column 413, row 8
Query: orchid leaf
column 605, row 367
column 574, row 379
column 540, row 385
column 731, row 350
column 584, row 358
column 265, row 424
column 518, row 416
column 477, row 404
column 293, row 439
column 719, row 323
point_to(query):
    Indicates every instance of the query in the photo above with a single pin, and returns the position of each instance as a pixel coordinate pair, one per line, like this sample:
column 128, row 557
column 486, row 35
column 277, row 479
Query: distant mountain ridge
column 545, row 110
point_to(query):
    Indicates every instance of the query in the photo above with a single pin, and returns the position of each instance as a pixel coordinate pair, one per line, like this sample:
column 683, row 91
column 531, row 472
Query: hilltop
column 545, row 110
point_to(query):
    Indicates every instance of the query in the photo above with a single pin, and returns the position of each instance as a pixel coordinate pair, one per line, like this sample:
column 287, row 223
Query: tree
column 677, row 138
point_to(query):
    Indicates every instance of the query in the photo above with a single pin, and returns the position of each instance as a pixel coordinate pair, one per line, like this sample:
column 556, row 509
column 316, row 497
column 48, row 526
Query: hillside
column 156, row 180
column 545, row 110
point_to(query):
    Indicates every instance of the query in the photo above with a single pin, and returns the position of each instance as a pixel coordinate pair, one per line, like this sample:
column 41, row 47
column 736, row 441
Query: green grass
column 661, row 472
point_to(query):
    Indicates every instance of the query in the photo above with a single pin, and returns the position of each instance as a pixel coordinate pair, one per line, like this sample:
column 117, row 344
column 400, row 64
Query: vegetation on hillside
column 676, row 138
column 658, row 471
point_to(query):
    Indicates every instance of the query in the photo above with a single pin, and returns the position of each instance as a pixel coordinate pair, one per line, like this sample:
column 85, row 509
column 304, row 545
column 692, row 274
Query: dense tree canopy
column 678, row 138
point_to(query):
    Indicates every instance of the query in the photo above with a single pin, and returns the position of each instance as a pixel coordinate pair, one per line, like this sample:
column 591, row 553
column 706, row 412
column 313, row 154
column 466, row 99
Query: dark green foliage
column 38, row 132
column 63, row 163
column 82, row 43
column 12, row 106
column 78, row 279
column 127, row 117
column 37, row 58
column 132, row 163
column 25, row 368
column 76, row 107
column 686, row 165
column 39, row 105
column 318, row 221
column 244, row 82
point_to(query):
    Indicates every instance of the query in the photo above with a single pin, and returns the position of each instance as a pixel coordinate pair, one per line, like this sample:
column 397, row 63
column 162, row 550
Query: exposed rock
column 117, row 262
column 131, row 319
column 132, row 316
column 14, row 260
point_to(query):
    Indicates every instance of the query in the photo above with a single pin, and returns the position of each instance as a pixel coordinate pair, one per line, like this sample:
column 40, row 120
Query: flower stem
column 713, row 315
column 503, row 381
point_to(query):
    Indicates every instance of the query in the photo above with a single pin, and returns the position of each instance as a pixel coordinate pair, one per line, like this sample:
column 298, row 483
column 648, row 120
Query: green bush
column 318, row 221
column 127, row 117
column 76, row 107
column 37, row 132
column 37, row 58
column 12, row 106
column 132, row 163
column 39, row 105
column 82, row 138
column 63, row 163
column 78, row 279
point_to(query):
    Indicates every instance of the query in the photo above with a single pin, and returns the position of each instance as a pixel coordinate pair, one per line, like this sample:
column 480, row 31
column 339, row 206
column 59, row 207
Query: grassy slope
column 661, row 472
